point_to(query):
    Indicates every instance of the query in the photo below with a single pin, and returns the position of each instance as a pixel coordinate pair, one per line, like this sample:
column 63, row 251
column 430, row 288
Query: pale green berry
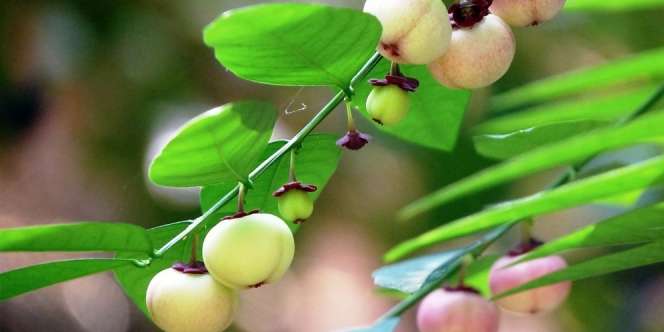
column 295, row 205
column 182, row 302
column 249, row 251
column 388, row 104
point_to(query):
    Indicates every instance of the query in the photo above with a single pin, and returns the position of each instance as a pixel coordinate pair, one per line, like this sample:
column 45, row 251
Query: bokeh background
column 89, row 90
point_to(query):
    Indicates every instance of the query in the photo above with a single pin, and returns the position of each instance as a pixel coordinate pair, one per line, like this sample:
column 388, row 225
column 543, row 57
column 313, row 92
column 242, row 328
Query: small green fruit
column 183, row 302
column 388, row 104
column 296, row 206
column 249, row 251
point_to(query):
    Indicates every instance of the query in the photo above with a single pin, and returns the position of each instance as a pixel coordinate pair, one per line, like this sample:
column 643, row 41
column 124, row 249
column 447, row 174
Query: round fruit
column 183, row 302
column 295, row 205
column 544, row 299
column 522, row 13
column 414, row 31
column 477, row 56
column 457, row 310
column 388, row 105
column 249, row 251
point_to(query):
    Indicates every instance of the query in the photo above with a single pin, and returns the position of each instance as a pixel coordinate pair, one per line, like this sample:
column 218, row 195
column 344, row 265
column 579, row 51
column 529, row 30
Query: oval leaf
column 26, row 279
column 294, row 44
column 86, row 236
column 220, row 145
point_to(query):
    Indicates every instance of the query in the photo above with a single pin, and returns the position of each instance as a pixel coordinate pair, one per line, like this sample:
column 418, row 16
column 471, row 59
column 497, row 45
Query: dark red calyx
column 408, row 84
column 462, row 288
column 295, row 185
column 525, row 247
column 353, row 140
column 239, row 214
column 467, row 13
column 197, row 267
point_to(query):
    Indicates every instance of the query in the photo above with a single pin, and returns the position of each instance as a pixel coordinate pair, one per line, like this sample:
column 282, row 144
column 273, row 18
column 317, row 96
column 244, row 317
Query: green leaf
column 412, row 275
column 504, row 146
column 134, row 279
column 315, row 162
column 634, row 227
column 85, row 236
column 294, row 44
column 604, row 108
column 384, row 325
column 220, row 145
column 613, row 5
column 640, row 256
column 643, row 67
column 26, row 279
column 575, row 149
column 435, row 114
column 576, row 193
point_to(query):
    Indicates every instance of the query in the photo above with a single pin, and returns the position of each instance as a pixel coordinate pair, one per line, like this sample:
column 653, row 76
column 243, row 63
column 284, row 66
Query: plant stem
column 291, row 167
column 481, row 245
column 293, row 142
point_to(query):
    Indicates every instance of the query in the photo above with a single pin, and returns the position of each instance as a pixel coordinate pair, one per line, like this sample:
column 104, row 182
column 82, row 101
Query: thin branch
column 295, row 141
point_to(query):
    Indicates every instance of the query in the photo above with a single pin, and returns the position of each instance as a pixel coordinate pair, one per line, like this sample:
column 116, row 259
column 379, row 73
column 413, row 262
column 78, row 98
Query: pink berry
column 457, row 310
column 477, row 56
column 538, row 300
column 522, row 13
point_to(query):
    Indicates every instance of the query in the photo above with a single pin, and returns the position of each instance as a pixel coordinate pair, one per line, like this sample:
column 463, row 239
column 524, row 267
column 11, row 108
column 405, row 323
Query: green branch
column 293, row 142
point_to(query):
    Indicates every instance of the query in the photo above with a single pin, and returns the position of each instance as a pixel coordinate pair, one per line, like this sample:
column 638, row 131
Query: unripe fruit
column 477, row 56
column 183, row 302
column 388, row 105
column 522, row 13
column 544, row 299
column 414, row 31
column 249, row 251
column 294, row 202
column 457, row 310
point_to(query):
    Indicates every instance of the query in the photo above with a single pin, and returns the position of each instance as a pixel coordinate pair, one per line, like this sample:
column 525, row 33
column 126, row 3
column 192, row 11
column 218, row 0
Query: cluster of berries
column 469, row 46
column 463, row 309
column 245, row 250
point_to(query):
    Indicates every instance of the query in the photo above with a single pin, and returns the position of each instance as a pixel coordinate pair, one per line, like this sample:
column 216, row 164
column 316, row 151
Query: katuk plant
column 414, row 31
column 505, row 275
column 186, row 298
column 522, row 13
column 481, row 50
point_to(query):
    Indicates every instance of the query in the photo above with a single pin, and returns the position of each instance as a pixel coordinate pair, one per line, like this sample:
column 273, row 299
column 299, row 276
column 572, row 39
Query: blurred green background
column 90, row 90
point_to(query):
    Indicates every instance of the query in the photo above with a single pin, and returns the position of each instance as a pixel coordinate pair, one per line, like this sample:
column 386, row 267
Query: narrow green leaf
column 604, row 108
column 26, row 279
column 644, row 129
column 383, row 325
column 134, row 279
column 613, row 5
column 576, row 193
column 640, row 256
column 643, row 67
column 315, row 162
column 636, row 226
column 294, row 44
column 504, row 146
column 435, row 114
column 85, row 236
column 220, row 145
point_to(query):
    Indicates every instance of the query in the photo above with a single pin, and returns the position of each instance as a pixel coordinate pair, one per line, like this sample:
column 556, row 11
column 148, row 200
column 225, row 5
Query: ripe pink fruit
column 477, row 56
column 457, row 310
column 543, row 299
column 414, row 31
column 522, row 13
